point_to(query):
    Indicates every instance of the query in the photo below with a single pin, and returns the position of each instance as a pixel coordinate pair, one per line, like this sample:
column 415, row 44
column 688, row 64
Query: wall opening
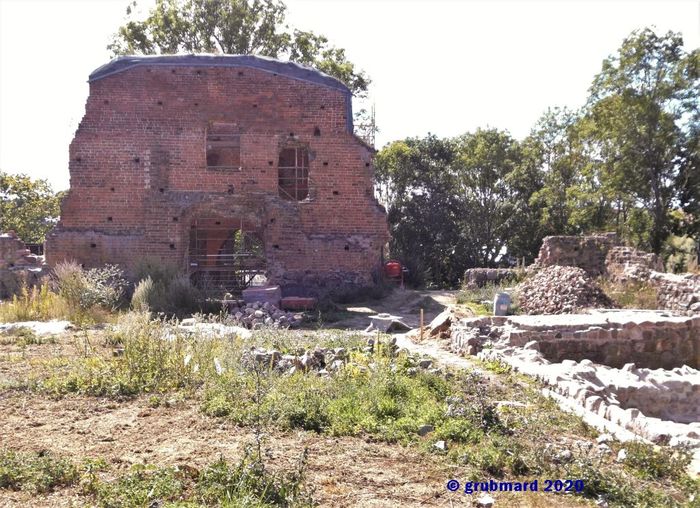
column 223, row 147
column 293, row 170
column 225, row 255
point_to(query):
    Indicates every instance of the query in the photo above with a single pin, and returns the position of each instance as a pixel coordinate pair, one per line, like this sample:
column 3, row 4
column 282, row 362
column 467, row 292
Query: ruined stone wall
column 586, row 252
column 479, row 277
column 677, row 292
column 18, row 266
column 647, row 339
column 139, row 174
column 625, row 264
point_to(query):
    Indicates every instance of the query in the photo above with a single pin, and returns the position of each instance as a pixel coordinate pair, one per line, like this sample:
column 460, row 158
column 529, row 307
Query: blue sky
column 440, row 66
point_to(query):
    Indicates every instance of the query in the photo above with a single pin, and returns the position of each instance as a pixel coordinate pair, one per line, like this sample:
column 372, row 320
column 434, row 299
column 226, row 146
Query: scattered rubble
column 256, row 315
column 560, row 290
column 38, row 327
column 387, row 323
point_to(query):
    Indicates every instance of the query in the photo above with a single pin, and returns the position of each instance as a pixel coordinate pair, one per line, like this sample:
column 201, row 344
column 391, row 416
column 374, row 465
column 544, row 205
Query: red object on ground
column 392, row 269
column 297, row 303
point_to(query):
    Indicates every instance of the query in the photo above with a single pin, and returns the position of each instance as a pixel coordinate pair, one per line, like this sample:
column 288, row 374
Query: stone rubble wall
column 586, row 252
column 658, row 405
column 677, row 292
column 624, row 264
column 600, row 255
column 480, row 277
column 18, row 266
column 648, row 339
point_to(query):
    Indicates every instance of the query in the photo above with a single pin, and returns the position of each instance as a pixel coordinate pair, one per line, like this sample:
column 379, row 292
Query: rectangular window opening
column 293, row 171
column 223, row 150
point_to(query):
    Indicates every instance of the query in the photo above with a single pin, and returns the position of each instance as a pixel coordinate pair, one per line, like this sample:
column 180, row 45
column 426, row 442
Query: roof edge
column 289, row 69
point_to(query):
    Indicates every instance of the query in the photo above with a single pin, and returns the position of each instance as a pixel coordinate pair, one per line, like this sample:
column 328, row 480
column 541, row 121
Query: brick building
column 228, row 166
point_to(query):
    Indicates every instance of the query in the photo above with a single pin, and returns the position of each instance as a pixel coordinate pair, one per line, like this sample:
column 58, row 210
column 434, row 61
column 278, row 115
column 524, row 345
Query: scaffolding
column 224, row 256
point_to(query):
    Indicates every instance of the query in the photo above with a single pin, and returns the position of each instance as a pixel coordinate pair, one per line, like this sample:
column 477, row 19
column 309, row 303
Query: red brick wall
column 138, row 173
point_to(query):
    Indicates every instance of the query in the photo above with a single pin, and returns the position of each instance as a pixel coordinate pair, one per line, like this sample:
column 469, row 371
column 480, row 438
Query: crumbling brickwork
column 18, row 266
column 262, row 146
column 586, row 252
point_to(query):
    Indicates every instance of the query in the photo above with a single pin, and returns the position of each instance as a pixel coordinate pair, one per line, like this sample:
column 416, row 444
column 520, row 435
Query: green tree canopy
column 28, row 207
column 640, row 122
column 232, row 27
column 457, row 203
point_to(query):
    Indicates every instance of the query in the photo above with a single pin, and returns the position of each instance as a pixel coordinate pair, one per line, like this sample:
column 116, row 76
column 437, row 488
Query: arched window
column 293, row 172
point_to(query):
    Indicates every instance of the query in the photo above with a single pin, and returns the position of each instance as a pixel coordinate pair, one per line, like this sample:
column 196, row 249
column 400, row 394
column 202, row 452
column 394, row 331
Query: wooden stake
column 421, row 325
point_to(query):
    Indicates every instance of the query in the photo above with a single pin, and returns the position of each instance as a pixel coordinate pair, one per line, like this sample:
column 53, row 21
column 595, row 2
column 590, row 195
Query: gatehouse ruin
column 229, row 167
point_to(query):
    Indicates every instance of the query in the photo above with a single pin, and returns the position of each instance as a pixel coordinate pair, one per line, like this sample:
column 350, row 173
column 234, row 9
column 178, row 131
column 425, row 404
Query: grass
column 245, row 484
column 40, row 303
column 379, row 394
column 480, row 300
column 631, row 295
column 35, row 472
column 33, row 304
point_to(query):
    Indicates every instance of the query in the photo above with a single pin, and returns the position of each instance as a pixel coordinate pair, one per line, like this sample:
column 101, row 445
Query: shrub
column 652, row 464
column 162, row 288
column 84, row 290
column 36, row 303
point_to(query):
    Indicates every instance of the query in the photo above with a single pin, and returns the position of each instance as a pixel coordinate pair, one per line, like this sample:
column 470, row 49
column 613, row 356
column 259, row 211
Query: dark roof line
column 290, row 69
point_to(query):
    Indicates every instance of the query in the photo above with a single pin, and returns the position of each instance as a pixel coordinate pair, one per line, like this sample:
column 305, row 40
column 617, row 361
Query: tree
column 417, row 185
column 485, row 163
column 640, row 116
column 28, row 207
column 458, row 203
column 232, row 27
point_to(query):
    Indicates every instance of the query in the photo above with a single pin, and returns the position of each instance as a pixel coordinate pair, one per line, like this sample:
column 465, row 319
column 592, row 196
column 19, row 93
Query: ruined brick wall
column 586, row 252
column 139, row 176
column 628, row 264
column 18, row 266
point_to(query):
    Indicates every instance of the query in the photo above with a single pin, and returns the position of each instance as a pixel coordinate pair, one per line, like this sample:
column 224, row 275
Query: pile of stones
column 326, row 361
column 560, row 290
column 256, row 315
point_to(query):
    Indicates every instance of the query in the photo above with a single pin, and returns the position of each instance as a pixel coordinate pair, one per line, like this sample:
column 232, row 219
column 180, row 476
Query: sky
column 437, row 66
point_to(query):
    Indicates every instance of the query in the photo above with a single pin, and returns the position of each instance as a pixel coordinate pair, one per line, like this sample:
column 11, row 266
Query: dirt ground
column 405, row 304
column 342, row 472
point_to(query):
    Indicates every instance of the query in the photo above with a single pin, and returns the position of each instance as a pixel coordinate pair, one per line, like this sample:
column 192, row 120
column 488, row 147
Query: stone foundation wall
column 648, row 339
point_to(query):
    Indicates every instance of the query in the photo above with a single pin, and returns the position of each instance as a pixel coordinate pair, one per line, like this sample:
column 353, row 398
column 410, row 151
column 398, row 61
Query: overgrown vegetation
column 33, row 304
column 247, row 483
column 35, row 472
column 79, row 295
column 631, row 294
column 162, row 287
column 380, row 394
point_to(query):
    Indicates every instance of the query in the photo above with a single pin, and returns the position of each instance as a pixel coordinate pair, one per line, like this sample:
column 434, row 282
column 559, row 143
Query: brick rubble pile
column 256, row 315
column 560, row 290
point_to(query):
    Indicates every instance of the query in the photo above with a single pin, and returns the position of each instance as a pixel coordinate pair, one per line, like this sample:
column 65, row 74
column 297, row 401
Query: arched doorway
column 225, row 254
